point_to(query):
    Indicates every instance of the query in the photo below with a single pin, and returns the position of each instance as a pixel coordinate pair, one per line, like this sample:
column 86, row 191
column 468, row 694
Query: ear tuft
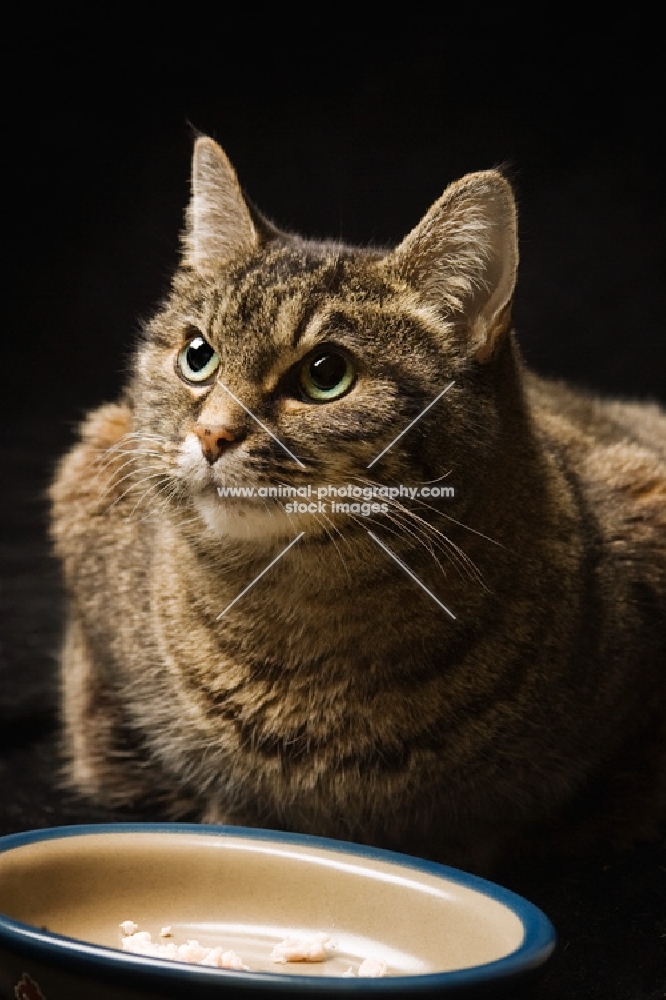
column 218, row 224
column 463, row 256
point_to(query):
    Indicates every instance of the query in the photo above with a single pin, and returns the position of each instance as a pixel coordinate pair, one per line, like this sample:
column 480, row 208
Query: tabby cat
column 459, row 677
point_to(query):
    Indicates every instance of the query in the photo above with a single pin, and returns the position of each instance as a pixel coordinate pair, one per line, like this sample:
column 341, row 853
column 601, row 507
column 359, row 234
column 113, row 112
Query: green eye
column 197, row 361
column 326, row 375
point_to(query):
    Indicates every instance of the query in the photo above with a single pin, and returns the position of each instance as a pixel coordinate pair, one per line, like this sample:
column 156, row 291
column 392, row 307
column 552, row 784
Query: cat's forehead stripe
column 276, row 267
column 319, row 302
column 283, row 290
column 268, row 290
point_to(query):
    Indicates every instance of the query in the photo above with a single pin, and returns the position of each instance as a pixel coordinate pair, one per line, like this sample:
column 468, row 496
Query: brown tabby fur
column 335, row 697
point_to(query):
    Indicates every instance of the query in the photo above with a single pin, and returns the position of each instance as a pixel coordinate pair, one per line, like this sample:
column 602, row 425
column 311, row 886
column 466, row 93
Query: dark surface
column 347, row 135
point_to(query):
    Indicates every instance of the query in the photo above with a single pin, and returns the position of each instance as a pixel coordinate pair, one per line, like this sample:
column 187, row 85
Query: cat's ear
column 218, row 223
column 463, row 256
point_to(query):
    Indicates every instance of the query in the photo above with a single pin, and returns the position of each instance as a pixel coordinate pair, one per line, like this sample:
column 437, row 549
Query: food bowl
column 65, row 891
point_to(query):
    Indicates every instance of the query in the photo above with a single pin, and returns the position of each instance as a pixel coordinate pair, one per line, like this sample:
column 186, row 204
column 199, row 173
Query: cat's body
column 335, row 696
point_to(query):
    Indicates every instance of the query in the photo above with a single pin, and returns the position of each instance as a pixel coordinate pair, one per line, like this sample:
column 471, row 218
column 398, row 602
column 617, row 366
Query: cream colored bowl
column 64, row 893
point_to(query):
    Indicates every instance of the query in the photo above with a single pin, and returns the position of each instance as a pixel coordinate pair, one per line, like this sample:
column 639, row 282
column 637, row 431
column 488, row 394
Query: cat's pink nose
column 215, row 439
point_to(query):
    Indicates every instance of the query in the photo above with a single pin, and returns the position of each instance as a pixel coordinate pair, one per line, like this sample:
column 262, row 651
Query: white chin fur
column 252, row 520
column 235, row 517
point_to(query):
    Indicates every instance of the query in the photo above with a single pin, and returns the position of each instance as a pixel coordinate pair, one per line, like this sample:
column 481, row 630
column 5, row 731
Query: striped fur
column 336, row 697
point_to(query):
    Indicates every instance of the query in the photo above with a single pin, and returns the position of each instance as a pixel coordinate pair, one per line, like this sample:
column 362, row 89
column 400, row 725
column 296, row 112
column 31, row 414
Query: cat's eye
column 197, row 361
column 325, row 375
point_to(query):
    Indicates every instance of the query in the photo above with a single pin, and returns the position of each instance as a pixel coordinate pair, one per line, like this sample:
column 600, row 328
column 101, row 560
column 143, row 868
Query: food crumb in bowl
column 372, row 968
column 304, row 948
column 141, row 943
column 313, row 948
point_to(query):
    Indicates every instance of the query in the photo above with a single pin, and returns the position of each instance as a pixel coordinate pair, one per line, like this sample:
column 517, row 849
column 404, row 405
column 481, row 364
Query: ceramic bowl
column 64, row 892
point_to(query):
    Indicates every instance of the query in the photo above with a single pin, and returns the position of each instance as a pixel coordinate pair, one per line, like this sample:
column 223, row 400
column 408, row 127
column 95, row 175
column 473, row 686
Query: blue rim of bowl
column 536, row 948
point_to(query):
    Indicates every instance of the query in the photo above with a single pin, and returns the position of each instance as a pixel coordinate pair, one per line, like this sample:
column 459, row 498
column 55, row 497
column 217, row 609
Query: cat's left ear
column 219, row 224
column 463, row 256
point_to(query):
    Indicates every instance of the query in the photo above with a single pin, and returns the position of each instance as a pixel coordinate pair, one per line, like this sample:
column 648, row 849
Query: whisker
column 459, row 559
column 146, row 492
column 456, row 555
column 126, row 440
column 401, row 519
column 134, row 486
column 100, row 471
column 429, row 482
column 453, row 552
column 114, row 483
column 326, row 518
column 163, row 498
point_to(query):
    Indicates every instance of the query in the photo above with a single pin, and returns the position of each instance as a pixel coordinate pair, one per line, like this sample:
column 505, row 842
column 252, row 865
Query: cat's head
column 278, row 361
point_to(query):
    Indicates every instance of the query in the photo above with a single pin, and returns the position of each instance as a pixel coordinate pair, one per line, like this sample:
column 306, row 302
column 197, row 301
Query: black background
column 338, row 134
column 337, row 127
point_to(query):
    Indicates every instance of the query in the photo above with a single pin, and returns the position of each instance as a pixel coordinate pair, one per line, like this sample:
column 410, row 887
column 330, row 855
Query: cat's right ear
column 462, row 257
column 219, row 224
